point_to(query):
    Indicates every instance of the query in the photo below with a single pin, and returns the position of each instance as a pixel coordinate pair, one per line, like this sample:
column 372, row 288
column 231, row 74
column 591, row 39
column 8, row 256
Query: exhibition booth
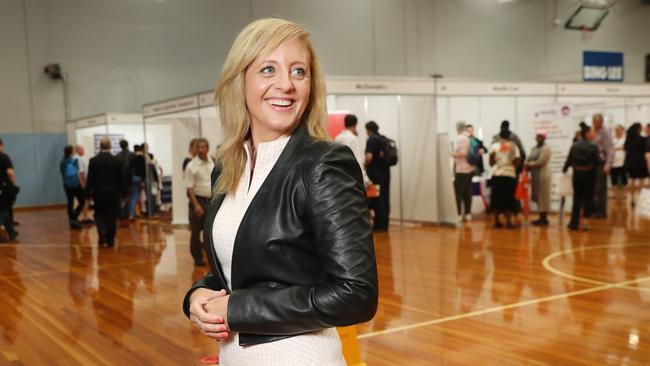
column 405, row 111
column 87, row 131
column 557, row 108
column 419, row 114
column 169, row 127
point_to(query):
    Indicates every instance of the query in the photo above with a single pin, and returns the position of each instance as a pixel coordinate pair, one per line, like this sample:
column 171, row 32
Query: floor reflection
column 13, row 294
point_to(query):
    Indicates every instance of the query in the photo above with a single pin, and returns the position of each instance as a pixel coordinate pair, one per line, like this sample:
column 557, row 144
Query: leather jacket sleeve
column 208, row 281
column 340, row 224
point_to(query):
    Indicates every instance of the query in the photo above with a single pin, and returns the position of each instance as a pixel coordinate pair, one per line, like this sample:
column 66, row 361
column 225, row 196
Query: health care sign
column 602, row 66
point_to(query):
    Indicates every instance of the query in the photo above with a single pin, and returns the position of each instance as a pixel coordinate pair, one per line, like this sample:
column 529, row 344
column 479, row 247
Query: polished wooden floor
column 448, row 296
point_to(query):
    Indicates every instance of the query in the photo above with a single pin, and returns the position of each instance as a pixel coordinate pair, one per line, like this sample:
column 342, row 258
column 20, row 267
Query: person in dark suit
column 107, row 188
column 584, row 158
column 126, row 158
column 378, row 172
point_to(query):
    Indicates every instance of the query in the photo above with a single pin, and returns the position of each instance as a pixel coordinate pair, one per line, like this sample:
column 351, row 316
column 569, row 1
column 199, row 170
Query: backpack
column 71, row 173
column 474, row 153
column 389, row 147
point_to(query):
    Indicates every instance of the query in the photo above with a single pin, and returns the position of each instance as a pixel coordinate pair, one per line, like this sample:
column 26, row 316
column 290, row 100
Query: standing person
column 540, row 172
column 106, row 187
column 288, row 230
column 191, row 153
column 605, row 143
column 69, row 168
column 199, row 191
column 350, row 138
column 463, row 172
column 126, row 158
column 84, row 217
column 585, row 160
column 618, row 173
column 476, row 145
column 504, row 159
column 8, row 193
column 505, row 126
column 635, row 162
column 137, row 183
column 378, row 171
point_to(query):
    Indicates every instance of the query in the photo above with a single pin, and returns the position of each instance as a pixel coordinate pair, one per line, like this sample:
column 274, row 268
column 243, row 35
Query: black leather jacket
column 304, row 255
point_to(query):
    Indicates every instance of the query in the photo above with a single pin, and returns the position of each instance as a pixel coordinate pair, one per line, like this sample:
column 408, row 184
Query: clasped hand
column 208, row 312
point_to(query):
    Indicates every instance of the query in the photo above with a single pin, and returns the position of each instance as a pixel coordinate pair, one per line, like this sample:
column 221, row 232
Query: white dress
column 317, row 348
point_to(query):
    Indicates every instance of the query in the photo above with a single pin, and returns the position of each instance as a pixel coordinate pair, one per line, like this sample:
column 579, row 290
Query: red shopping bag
column 521, row 193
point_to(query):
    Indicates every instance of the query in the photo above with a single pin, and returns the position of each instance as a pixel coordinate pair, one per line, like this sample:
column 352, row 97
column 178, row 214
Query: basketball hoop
column 586, row 33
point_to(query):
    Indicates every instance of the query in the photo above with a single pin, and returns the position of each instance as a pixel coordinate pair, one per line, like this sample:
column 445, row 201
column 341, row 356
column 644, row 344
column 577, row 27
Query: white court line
column 547, row 265
column 501, row 308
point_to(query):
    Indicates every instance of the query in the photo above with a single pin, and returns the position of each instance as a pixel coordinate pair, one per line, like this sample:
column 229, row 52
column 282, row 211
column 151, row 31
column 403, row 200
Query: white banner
column 557, row 120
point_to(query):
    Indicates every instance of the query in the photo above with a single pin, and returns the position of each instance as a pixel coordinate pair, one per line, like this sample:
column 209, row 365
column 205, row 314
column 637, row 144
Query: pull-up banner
column 602, row 66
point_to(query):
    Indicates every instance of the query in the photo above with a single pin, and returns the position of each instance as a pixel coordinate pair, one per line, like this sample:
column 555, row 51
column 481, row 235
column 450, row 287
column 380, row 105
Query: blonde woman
column 287, row 232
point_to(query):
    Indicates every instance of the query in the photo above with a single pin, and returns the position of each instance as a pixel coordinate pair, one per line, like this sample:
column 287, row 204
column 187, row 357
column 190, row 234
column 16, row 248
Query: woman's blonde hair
column 258, row 37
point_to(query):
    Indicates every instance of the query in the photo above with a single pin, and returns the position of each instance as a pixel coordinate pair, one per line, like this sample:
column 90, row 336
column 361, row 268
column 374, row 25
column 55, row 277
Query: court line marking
column 500, row 308
column 546, row 262
column 406, row 307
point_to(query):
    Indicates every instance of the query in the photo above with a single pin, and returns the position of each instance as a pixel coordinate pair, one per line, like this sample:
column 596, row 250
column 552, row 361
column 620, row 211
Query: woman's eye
column 268, row 70
column 299, row 72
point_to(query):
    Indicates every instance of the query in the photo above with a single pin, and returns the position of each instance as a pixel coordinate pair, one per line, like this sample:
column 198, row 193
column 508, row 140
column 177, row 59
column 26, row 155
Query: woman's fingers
column 211, row 296
column 213, row 328
column 197, row 312
column 220, row 336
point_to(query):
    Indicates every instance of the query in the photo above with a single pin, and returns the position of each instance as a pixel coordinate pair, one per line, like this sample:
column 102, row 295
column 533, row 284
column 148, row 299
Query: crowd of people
column 594, row 156
column 113, row 183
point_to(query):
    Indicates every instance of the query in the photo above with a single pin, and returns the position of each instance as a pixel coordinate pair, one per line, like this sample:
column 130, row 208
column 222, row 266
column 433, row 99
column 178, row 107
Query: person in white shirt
column 350, row 138
column 199, row 191
column 618, row 174
column 504, row 159
column 463, row 172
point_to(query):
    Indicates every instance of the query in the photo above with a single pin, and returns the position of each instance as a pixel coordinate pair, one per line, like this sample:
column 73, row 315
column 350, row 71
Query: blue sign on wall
column 602, row 66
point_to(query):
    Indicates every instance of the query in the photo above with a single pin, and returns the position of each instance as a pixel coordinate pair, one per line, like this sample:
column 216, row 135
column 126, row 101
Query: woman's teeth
column 280, row 102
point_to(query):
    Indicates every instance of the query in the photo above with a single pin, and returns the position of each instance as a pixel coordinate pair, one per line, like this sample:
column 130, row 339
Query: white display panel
column 637, row 113
column 331, row 102
column 168, row 137
column 466, row 109
column 418, row 158
column 133, row 133
column 211, row 128
column 86, row 138
column 442, row 111
column 525, row 118
column 71, row 134
column 493, row 111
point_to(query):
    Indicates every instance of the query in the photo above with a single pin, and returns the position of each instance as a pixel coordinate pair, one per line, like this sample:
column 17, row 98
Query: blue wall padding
column 36, row 160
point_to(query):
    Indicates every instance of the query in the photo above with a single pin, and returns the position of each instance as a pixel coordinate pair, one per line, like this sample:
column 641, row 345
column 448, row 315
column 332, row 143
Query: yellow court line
column 547, row 265
column 500, row 308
